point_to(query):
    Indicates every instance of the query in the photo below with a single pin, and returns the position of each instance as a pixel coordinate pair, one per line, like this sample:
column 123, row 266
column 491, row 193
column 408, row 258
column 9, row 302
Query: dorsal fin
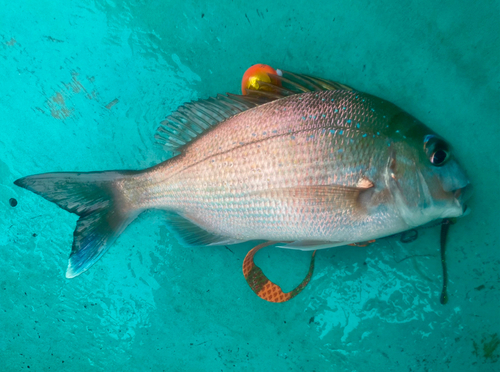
column 194, row 118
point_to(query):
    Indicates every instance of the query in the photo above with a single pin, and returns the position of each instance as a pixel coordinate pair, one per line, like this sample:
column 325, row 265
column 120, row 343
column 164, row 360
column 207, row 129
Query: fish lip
column 462, row 195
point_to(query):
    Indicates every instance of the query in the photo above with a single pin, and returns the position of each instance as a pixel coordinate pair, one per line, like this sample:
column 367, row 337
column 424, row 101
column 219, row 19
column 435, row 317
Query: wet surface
column 85, row 87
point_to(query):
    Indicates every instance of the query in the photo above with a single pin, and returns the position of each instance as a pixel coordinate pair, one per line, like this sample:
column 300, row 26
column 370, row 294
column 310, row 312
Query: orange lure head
column 256, row 74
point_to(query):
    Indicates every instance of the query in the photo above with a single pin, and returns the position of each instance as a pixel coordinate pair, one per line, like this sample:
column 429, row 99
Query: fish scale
column 224, row 179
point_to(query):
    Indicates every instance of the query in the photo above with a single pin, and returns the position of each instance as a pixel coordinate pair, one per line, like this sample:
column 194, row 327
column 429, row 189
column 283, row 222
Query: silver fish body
column 310, row 170
column 297, row 169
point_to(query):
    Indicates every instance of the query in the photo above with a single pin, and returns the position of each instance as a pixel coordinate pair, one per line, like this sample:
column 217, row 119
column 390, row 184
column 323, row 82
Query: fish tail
column 94, row 197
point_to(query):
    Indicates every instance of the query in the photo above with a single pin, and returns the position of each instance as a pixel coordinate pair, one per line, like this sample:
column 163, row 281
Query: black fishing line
column 445, row 227
column 412, row 235
column 409, row 236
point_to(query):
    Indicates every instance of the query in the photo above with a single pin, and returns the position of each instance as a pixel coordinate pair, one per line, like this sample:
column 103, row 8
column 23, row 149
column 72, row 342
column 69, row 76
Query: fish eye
column 439, row 157
column 436, row 150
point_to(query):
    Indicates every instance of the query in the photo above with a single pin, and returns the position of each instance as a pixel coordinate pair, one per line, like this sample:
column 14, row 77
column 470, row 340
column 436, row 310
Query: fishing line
column 445, row 227
column 412, row 235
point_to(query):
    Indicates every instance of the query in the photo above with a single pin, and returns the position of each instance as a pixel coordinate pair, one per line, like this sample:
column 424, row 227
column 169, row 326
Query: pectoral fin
column 352, row 200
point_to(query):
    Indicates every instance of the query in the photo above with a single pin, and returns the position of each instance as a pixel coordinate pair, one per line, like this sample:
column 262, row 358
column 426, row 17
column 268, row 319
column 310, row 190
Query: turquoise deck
column 83, row 87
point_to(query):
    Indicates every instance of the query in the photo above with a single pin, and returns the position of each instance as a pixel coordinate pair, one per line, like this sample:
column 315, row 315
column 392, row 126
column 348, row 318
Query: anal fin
column 191, row 234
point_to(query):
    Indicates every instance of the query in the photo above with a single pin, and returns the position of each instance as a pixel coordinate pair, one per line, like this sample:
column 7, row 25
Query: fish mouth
column 462, row 195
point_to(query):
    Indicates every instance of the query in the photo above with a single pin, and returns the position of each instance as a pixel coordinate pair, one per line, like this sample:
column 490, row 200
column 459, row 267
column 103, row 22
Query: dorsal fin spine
column 207, row 107
column 173, row 127
column 201, row 118
column 182, row 128
column 171, row 137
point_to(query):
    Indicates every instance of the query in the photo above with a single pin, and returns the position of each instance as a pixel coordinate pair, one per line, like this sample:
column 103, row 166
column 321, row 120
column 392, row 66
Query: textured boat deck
column 84, row 88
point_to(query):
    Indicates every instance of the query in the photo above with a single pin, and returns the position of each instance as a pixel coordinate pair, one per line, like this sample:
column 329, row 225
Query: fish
column 301, row 163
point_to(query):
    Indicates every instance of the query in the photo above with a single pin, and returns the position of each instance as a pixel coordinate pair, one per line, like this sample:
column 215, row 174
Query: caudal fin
column 94, row 198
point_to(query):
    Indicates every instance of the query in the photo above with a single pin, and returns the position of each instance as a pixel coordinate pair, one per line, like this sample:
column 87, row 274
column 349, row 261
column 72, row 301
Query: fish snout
column 462, row 195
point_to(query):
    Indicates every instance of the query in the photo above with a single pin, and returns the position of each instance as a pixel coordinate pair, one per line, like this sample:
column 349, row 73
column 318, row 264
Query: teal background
column 151, row 304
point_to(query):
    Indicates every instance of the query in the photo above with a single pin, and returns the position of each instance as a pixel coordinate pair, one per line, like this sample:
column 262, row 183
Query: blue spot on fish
column 349, row 121
column 357, row 125
column 341, row 150
column 364, row 135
